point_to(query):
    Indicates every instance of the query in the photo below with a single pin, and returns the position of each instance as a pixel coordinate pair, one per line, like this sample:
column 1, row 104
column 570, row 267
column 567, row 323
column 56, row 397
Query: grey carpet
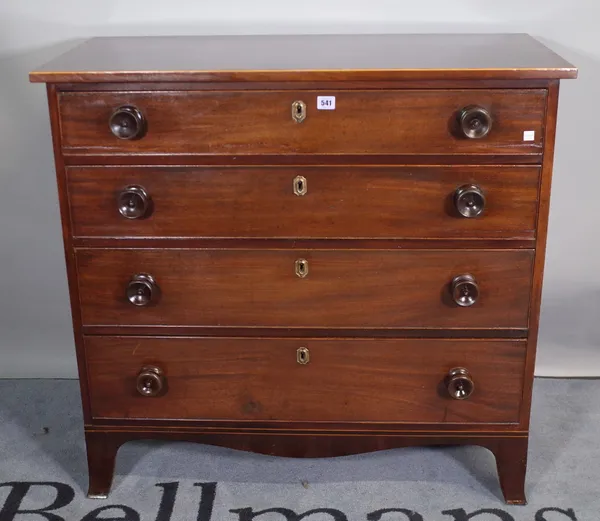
column 41, row 441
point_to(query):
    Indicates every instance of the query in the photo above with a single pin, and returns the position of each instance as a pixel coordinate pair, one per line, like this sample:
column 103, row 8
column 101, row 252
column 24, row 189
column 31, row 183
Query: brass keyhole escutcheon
column 303, row 355
column 300, row 186
column 298, row 111
column 301, row 266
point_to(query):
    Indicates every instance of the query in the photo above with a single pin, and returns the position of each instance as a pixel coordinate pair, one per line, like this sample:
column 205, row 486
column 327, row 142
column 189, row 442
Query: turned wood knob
column 459, row 383
column 127, row 122
column 475, row 122
column 142, row 290
column 469, row 201
column 150, row 381
column 134, row 202
column 465, row 290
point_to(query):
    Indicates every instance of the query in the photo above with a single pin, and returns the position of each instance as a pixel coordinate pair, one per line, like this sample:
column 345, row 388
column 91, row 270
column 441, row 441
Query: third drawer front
column 391, row 380
column 317, row 202
column 305, row 288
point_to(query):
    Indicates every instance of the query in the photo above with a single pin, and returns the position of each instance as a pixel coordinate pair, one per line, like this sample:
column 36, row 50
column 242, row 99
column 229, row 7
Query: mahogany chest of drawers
column 306, row 245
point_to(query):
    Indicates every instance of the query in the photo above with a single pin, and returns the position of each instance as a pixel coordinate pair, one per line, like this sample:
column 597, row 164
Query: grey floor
column 41, row 440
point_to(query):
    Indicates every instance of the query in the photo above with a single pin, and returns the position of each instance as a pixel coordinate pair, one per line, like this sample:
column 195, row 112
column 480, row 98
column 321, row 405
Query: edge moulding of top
column 384, row 57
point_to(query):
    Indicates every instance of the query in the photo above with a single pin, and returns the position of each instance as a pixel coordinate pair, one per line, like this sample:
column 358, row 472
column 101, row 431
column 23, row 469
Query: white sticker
column 326, row 102
column 529, row 135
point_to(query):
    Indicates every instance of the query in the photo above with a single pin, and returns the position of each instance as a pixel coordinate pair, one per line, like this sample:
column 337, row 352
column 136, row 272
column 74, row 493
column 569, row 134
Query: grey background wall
column 35, row 331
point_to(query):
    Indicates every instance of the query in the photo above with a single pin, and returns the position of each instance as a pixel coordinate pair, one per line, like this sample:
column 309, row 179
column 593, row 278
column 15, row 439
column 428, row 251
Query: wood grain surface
column 340, row 202
column 260, row 122
column 307, row 58
column 372, row 289
column 345, row 379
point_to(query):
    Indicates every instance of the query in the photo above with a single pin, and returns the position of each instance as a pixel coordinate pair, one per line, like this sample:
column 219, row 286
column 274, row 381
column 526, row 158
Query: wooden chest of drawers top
column 302, row 58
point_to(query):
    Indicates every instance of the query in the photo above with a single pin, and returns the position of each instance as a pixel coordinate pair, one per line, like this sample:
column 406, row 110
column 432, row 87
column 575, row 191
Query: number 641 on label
column 326, row 102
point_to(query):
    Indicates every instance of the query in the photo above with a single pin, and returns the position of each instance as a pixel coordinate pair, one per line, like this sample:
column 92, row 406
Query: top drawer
column 494, row 122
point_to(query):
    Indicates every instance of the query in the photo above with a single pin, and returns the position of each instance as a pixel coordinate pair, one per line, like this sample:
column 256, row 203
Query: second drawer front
column 305, row 288
column 340, row 380
column 319, row 202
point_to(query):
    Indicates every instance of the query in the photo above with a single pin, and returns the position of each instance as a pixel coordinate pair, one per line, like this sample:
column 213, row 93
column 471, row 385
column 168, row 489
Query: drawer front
column 304, row 288
column 344, row 380
column 261, row 122
column 319, row 202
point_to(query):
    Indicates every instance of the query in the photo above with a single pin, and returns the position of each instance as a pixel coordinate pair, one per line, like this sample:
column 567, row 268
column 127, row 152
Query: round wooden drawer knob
column 150, row 381
column 142, row 290
column 465, row 290
column 475, row 122
column 127, row 122
column 459, row 383
column 469, row 201
column 134, row 202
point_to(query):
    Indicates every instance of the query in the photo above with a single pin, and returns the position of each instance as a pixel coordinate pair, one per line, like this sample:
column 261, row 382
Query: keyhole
column 300, row 185
column 302, row 355
column 298, row 111
column 301, row 268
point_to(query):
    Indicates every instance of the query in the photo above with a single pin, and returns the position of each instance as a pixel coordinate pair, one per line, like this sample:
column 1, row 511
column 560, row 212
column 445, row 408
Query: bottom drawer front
column 338, row 380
